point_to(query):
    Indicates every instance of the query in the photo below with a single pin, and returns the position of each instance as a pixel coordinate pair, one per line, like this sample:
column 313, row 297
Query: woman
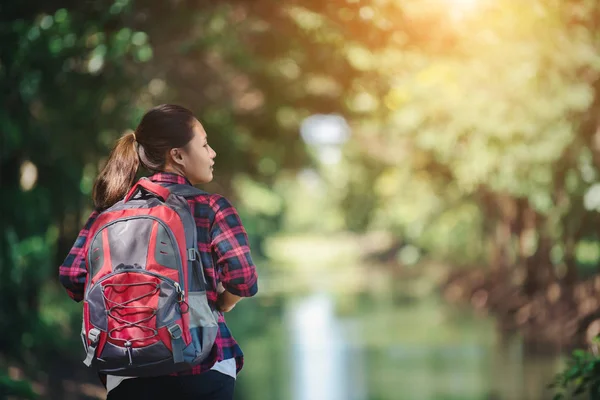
column 170, row 142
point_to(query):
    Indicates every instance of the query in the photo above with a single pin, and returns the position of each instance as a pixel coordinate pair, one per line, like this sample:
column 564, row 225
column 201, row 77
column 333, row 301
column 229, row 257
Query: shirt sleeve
column 72, row 272
column 229, row 242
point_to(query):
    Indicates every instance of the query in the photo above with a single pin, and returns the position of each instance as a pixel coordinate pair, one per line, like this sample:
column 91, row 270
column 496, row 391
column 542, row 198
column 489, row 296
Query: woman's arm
column 72, row 272
column 235, row 268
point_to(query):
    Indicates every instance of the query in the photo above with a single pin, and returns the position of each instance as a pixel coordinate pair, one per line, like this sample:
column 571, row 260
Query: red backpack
column 145, row 311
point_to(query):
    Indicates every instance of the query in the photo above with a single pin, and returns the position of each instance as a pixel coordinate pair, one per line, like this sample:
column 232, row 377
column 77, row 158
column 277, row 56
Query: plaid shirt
column 225, row 255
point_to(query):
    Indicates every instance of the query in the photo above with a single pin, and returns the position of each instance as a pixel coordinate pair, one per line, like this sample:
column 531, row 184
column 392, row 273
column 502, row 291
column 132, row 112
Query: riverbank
column 347, row 263
column 548, row 318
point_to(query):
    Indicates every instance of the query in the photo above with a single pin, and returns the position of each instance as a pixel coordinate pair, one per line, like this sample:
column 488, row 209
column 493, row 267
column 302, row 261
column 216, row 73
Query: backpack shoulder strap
column 197, row 281
column 184, row 190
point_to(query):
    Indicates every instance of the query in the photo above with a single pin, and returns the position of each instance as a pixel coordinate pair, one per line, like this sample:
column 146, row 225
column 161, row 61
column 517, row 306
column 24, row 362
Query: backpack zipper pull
column 180, row 292
column 129, row 354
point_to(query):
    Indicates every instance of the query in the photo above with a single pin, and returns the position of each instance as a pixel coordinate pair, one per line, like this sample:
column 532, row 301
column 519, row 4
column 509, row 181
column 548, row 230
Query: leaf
column 579, row 390
column 580, row 355
column 573, row 372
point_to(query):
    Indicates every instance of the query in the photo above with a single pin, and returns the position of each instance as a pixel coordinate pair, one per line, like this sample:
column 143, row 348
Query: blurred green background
column 419, row 180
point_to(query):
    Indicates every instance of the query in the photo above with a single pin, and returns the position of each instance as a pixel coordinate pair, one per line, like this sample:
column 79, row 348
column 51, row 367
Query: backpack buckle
column 192, row 254
column 175, row 331
column 93, row 335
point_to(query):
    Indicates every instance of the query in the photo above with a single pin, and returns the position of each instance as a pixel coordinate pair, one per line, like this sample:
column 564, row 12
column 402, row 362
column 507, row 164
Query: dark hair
column 161, row 129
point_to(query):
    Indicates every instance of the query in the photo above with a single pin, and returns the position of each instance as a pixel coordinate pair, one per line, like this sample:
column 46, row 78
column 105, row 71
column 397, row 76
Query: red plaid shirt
column 225, row 256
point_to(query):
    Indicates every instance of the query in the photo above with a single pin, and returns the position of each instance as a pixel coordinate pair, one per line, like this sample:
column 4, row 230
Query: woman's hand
column 226, row 301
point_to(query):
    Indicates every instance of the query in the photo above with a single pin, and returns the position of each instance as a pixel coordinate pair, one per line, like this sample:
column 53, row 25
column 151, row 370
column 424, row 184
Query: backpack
column 145, row 310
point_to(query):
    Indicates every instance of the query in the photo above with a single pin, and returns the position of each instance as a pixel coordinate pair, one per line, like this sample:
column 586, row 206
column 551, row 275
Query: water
column 322, row 346
column 319, row 365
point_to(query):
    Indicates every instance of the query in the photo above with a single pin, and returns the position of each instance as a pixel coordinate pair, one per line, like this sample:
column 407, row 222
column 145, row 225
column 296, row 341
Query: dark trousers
column 211, row 385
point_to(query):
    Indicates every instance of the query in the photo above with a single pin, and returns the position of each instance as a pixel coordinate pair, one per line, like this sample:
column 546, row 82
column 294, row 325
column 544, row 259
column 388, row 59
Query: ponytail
column 118, row 175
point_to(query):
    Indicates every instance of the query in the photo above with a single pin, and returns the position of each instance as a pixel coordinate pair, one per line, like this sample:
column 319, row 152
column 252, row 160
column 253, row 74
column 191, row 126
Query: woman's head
column 169, row 138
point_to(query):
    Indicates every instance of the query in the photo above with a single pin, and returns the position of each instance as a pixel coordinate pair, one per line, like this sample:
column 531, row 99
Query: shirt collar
column 170, row 177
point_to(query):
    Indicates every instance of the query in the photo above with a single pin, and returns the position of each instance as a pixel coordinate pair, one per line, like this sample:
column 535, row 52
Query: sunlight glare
column 29, row 175
column 458, row 8
column 463, row 4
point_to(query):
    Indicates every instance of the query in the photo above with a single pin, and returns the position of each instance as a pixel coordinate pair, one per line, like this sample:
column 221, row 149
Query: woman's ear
column 177, row 156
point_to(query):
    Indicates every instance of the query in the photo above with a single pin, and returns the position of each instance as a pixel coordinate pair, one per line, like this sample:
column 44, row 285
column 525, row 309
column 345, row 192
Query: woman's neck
column 174, row 170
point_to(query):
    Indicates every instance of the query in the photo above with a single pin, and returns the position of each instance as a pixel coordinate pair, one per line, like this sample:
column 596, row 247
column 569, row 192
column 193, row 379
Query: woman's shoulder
column 219, row 201
column 214, row 201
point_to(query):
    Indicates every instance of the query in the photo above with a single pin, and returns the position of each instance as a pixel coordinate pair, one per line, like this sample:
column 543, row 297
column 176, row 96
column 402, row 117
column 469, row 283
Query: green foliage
column 13, row 388
column 485, row 121
column 580, row 377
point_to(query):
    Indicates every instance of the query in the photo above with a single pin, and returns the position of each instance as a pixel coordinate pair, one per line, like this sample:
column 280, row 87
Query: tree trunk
column 539, row 271
column 500, row 259
column 526, row 225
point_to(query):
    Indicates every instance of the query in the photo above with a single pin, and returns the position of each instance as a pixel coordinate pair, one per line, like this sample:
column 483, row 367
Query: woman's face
column 196, row 159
